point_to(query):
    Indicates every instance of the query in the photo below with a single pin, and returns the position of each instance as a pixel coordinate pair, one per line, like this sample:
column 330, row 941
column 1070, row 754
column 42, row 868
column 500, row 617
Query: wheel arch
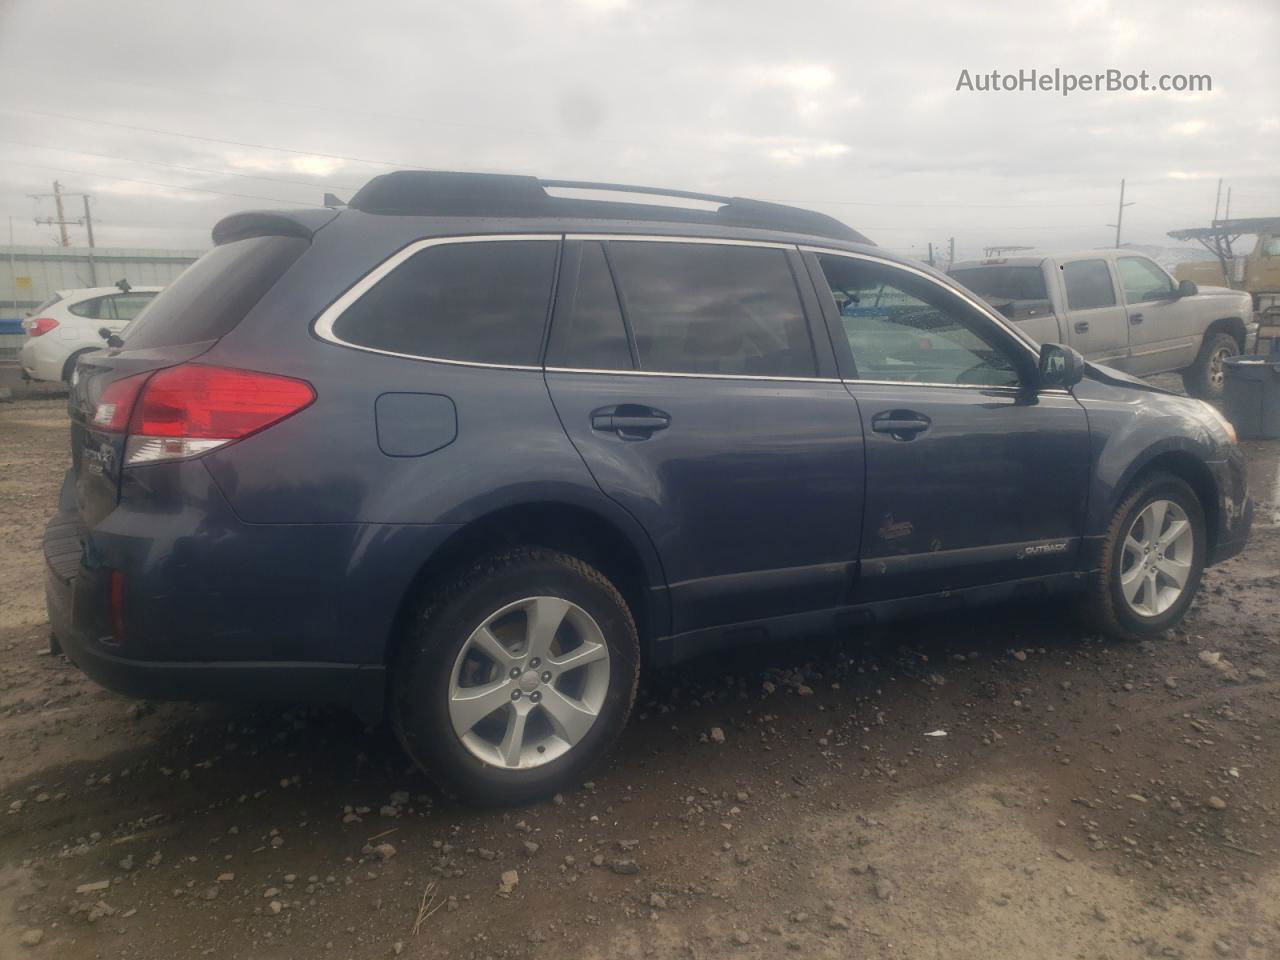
column 571, row 528
column 1186, row 466
column 1233, row 326
column 70, row 363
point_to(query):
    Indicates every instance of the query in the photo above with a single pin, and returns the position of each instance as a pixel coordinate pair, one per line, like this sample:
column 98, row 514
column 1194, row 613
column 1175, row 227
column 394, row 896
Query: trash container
column 1251, row 396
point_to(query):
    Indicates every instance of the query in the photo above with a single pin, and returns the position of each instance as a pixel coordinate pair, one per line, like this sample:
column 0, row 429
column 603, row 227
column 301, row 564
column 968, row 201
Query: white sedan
column 68, row 324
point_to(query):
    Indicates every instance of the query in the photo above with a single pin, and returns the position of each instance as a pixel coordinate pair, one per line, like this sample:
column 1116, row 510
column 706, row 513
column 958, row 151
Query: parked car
column 472, row 453
column 1122, row 309
column 67, row 326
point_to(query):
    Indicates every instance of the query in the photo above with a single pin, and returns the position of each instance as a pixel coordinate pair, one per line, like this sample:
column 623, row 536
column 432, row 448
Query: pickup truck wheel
column 516, row 677
column 1152, row 560
column 1204, row 378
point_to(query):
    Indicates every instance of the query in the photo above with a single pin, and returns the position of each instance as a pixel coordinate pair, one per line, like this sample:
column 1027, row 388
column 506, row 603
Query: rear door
column 1095, row 318
column 971, row 480
column 1164, row 332
column 700, row 400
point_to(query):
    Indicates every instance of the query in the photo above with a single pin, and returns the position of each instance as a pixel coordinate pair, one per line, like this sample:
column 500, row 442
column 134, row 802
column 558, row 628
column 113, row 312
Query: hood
column 1218, row 291
column 1098, row 371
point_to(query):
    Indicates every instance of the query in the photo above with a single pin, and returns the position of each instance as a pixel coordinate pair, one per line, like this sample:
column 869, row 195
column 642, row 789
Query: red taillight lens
column 38, row 326
column 215, row 403
column 116, row 403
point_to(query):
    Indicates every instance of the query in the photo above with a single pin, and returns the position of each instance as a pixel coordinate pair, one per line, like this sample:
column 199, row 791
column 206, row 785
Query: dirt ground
column 1089, row 799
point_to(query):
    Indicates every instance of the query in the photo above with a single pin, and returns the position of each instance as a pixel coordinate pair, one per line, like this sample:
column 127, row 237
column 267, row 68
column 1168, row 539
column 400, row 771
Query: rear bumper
column 217, row 609
column 361, row 687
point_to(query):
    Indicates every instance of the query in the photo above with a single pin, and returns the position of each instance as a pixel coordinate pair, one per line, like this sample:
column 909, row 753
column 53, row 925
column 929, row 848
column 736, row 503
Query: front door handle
column 1135, row 318
column 1082, row 326
column 900, row 424
column 630, row 421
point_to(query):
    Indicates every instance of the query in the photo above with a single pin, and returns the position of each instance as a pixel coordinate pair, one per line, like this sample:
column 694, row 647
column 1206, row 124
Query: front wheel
column 1205, row 378
column 517, row 677
column 1152, row 560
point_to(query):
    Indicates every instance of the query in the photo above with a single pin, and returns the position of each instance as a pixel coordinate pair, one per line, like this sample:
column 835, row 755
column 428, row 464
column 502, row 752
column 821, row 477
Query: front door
column 970, row 479
column 1163, row 330
column 700, row 401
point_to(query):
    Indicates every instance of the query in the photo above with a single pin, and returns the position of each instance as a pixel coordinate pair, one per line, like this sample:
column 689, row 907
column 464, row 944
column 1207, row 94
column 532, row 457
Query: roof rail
column 450, row 194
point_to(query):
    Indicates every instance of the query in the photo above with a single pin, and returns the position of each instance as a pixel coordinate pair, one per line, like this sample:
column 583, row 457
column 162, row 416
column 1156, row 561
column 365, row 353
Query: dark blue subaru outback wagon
column 471, row 450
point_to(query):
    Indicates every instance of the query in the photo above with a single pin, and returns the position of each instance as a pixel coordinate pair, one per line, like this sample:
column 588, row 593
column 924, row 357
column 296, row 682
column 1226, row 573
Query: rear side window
column 127, row 306
column 1088, row 284
column 215, row 293
column 713, row 308
column 482, row 302
column 589, row 333
column 99, row 308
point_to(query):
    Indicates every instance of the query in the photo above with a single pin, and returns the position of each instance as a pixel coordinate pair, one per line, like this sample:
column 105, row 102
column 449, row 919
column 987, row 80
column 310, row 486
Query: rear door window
column 589, row 333
column 1088, row 284
column 215, row 293
column 483, row 302
column 713, row 308
column 127, row 306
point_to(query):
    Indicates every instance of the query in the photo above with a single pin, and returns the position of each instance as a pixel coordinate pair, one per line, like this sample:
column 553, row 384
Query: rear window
column 1004, row 283
column 215, row 293
column 482, row 302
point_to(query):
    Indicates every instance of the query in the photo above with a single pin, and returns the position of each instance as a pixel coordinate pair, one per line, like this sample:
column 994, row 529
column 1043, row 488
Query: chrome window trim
column 323, row 326
column 659, row 238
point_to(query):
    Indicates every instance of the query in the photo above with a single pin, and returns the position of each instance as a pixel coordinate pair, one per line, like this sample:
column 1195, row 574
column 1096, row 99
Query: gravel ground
column 1089, row 799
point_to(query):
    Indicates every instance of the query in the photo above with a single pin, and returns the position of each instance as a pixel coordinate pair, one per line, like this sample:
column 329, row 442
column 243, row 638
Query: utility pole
column 88, row 223
column 951, row 252
column 1120, row 213
column 931, row 253
column 1226, row 214
column 13, row 269
column 1217, row 201
column 62, row 220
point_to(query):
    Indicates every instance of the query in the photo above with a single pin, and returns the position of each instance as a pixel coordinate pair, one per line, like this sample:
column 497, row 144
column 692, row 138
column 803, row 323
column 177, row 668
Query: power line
column 195, row 136
column 177, row 166
column 156, row 183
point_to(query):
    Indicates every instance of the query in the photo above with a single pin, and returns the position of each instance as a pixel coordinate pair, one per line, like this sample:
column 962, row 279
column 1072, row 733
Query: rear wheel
column 1205, row 377
column 517, row 677
column 1152, row 560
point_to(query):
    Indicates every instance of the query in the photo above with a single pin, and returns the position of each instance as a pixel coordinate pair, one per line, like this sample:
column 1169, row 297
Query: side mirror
column 1187, row 288
column 1060, row 366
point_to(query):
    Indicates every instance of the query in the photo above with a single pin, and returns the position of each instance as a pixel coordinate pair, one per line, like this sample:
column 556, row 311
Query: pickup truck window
column 1143, row 280
column 1003, row 282
column 1088, row 284
column 905, row 329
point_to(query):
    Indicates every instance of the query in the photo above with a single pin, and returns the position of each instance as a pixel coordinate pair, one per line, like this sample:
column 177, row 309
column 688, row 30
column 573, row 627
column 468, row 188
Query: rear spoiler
column 271, row 223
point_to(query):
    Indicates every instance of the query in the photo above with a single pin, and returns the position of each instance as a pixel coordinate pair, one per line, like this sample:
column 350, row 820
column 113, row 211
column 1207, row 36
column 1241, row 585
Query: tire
column 1204, row 378
column 1106, row 607
column 470, row 750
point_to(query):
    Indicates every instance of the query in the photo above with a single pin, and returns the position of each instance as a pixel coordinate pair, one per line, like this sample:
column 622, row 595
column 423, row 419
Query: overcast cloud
column 845, row 107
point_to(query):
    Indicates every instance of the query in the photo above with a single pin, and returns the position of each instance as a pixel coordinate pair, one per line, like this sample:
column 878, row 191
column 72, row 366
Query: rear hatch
column 184, row 321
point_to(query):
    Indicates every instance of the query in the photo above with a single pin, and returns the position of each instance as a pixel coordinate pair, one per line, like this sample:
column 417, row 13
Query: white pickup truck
column 1119, row 308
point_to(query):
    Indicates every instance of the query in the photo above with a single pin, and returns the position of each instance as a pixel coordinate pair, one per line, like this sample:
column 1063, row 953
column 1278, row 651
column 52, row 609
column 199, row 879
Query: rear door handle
column 900, row 424
column 1082, row 326
column 629, row 421
column 1135, row 318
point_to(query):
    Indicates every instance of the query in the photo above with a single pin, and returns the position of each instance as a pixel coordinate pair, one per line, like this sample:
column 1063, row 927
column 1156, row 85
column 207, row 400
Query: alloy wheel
column 1156, row 559
column 1217, row 367
column 529, row 683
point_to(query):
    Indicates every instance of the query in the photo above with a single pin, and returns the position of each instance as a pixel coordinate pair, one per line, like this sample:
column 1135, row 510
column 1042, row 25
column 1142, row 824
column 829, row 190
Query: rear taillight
column 188, row 410
column 38, row 326
column 116, row 403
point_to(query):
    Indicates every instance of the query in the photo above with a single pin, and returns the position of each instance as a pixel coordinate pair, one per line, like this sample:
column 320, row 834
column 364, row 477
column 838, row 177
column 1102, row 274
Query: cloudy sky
column 174, row 113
